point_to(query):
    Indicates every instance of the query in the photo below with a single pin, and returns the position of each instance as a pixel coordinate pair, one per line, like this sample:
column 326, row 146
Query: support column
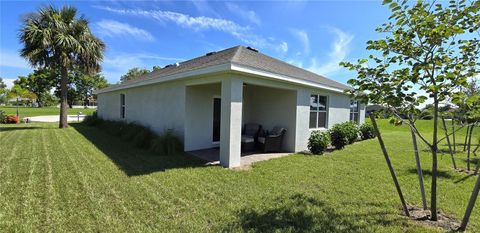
column 302, row 118
column 231, row 122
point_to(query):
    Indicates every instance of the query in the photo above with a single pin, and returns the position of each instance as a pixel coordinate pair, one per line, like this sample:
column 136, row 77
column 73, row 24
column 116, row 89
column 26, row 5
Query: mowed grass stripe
column 76, row 204
column 11, row 183
column 11, row 146
column 98, row 170
column 32, row 213
column 50, row 210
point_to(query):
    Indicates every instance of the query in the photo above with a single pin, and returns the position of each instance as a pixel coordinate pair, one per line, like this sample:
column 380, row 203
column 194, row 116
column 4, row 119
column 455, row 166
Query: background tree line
column 42, row 87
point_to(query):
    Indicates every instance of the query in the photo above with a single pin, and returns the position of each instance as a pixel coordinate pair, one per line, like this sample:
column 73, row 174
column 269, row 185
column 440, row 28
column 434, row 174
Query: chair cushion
column 276, row 131
column 247, row 139
column 251, row 129
column 261, row 140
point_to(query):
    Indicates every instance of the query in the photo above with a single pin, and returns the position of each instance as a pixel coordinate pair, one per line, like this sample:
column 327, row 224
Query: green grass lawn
column 28, row 111
column 82, row 180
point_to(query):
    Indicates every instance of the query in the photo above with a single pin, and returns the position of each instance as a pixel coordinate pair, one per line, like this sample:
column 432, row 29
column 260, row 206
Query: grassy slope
column 57, row 180
column 28, row 112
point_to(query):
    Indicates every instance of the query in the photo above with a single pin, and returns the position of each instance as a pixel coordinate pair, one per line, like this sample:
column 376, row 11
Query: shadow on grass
column 133, row 161
column 440, row 174
column 14, row 127
column 300, row 213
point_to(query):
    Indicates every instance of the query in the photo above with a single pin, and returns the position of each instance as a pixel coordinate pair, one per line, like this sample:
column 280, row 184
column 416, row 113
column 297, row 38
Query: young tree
column 58, row 39
column 425, row 48
column 133, row 73
column 18, row 92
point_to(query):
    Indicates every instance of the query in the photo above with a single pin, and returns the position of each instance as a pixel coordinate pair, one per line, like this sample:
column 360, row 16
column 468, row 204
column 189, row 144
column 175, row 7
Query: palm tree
column 57, row 39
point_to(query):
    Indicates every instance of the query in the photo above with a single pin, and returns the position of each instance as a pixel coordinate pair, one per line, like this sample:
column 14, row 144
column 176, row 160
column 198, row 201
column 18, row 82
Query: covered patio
column 216, row 113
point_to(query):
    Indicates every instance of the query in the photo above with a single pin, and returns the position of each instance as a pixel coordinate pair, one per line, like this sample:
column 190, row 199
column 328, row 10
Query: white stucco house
column 208, row 99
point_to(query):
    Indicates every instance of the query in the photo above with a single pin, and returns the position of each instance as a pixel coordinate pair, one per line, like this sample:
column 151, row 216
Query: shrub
column 367, row 131
column 343, row 134
column 318, row 142
column 143, row 138
column 12, row 119
column 128, row 131
column 2, row 116
column 167, row 143
column 352, row 131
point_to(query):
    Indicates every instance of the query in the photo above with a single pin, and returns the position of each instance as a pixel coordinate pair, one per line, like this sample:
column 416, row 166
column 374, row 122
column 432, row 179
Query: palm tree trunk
column 63, row 98
column 389, row 164
column 433, row 193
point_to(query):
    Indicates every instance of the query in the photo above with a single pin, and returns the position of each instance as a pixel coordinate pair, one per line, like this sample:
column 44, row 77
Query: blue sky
column 312, row 35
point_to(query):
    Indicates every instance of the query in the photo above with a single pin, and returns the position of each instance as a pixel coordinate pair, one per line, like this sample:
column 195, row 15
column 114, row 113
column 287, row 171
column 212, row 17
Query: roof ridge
column 237, row 53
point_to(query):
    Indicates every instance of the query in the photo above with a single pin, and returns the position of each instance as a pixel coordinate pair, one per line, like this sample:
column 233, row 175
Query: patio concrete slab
column 212, row 156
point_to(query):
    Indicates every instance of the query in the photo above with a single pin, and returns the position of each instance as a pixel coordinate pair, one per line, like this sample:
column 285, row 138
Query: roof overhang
column 227, row 67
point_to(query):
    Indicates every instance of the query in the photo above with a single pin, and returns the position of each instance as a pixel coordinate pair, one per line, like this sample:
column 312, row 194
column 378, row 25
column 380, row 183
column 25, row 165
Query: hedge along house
column 208, row 99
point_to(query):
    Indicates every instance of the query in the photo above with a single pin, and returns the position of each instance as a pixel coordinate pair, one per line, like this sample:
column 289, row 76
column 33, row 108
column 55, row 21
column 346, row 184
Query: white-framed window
column 354, row 111
column 122, row 106
column 318, row 111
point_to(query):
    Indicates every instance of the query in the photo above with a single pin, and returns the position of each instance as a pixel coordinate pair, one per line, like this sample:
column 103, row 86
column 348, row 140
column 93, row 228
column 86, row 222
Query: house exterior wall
column 199, row 107
column 159, row 107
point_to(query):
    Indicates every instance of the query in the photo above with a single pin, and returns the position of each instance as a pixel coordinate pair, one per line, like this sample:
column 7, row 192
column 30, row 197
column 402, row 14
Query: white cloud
column 116, row 65
column 304, row 39
column 283, row 47
column 8, row 82
column 338, row 53
column 113, row 28
column 243, row 33
column 243, row 13
column 197, row 23
column 13, row 59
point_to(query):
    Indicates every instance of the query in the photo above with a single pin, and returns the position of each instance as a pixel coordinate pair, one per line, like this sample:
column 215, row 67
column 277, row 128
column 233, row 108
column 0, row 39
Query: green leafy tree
column 156, row 68
column 58, row 39
column 3, row 91
column 134, row 73
column 17, row 92
column 427, row 46
column 86, row 84
column 40, row 82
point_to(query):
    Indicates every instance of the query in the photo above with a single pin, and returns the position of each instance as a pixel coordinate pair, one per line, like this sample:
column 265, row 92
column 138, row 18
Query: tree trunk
column 389, row 164
column 419, row 169
column 433, row 193
column 63, row 123
column 466, row 137
column 469, row 146
column 471, row 204
column 448, row 141
column 17, row 106
column 453, row 136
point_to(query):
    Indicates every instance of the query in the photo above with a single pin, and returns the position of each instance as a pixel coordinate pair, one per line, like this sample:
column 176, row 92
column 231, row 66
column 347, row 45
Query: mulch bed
column 423, row 217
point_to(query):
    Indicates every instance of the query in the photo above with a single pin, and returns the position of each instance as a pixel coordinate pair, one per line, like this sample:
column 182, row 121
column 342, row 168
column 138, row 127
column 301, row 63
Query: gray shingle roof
column 239, row 55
